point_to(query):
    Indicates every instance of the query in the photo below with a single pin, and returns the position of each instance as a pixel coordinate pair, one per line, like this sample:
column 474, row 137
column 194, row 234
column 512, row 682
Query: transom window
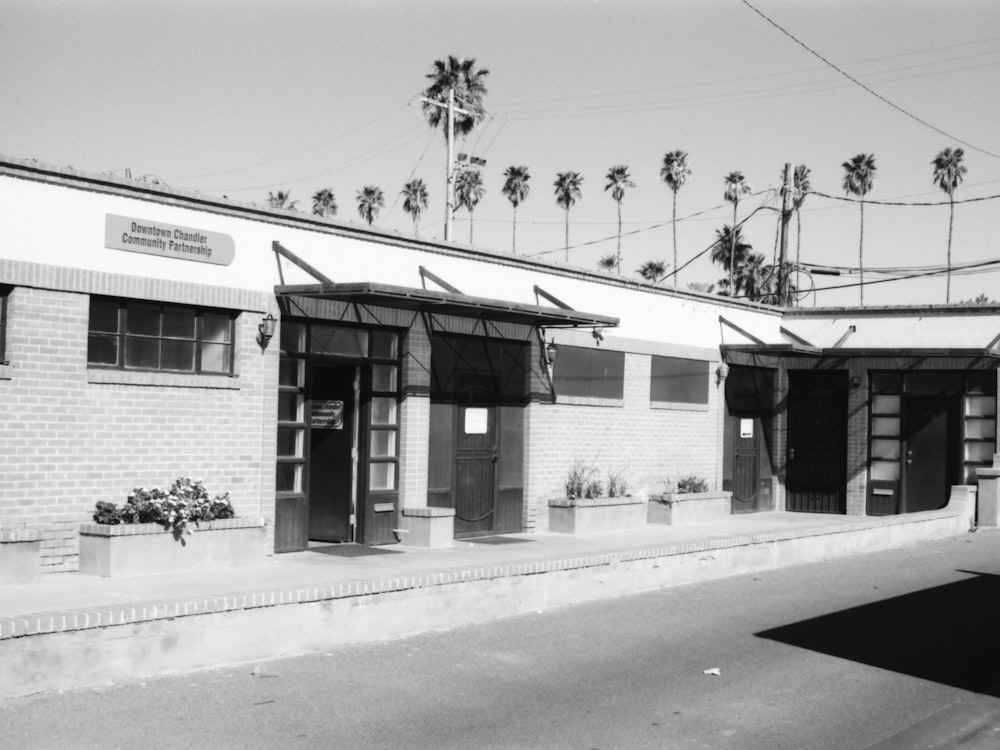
column 135, row 335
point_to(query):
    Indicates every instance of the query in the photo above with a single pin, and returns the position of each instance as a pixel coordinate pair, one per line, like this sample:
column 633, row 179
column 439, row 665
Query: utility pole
column 449, row 208
column 786, row 213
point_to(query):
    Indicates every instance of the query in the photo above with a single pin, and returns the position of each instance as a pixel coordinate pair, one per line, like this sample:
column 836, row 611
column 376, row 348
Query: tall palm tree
column 653, row 270
column 800, row 190
column 324, row 203
column 674, row 172
column 460, row 75
column 414, row 201
column 948, row 174
column 607, row 262
column 568, row 192
column 618, row 181
column 859, row 179
column 730, row 250
column 736, row 187
column 516, row 189
column 281, row 199
column 469, row 190
column 370, row 201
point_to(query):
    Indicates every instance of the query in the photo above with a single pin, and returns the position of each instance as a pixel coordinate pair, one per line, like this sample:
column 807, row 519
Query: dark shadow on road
column 946, row 634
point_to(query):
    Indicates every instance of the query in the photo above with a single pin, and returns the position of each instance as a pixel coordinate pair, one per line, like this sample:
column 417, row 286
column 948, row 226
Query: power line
column 918, row 204
column 878, row 96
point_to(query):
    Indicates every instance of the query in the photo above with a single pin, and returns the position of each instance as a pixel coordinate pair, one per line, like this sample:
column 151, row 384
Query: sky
column 244, row 97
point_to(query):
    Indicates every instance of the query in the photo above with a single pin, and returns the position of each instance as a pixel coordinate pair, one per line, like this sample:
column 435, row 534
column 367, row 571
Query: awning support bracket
column 847, row 334
column 425, row 274
column 279, row 249
column 741, row 331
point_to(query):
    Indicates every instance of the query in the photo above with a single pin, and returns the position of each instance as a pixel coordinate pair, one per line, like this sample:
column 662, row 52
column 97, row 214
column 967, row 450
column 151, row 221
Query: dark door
column 930, row 451
column 332, row 451
column 816, row 457
column 475, row 455
column 746, row 464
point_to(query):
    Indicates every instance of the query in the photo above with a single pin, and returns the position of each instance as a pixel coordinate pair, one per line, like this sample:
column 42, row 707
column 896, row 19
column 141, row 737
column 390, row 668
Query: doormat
column 495, row 540
column 353, row 550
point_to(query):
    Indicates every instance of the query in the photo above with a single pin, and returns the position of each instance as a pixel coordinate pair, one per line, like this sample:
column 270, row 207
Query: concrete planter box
column 585, row 515
column 676, row 508
column 20, row 556
column 147, row 548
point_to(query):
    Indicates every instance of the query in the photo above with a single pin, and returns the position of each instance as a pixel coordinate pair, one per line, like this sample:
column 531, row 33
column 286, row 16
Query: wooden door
column 931, row 451
column 475, row 455
column 746, row 464
column 816, row 454
column 332, row 451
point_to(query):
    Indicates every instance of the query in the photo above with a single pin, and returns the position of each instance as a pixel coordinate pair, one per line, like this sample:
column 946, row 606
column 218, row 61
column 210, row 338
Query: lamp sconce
column 551, row 353
column 265, row 331
column 855, row 381
column 721, row 373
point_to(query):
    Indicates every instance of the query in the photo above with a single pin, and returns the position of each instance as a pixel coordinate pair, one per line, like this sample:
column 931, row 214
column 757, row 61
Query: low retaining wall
column 20, row 555
column 75, row 649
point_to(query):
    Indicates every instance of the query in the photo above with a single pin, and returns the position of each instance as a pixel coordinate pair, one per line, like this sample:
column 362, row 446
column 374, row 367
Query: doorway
column 475, row 453
column 333, row 451
column 931, row 444
column 816, row 453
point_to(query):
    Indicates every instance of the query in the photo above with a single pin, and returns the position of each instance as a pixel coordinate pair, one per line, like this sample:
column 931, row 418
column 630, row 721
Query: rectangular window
column 678, row 380
column 134, row 335
column 593, row 373
column 4, row 294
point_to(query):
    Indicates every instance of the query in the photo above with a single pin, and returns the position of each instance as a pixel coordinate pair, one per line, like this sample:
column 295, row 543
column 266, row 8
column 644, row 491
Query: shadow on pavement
column 946, row 634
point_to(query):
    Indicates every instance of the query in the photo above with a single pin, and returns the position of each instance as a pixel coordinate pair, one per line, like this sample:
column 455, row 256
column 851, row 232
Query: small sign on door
column 477, row 421
column 327, row 415
column 746, row 428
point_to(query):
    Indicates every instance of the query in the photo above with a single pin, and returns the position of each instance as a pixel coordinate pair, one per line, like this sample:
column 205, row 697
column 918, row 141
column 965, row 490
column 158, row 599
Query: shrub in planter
column 186, row 502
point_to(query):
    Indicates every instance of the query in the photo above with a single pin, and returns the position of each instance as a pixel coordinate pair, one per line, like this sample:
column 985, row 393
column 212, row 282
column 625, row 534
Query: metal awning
column 445, row 303
column 795, row 350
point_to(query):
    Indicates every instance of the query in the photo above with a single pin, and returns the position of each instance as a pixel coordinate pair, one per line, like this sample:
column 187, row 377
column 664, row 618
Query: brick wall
column 648, row 444
column 71, row 436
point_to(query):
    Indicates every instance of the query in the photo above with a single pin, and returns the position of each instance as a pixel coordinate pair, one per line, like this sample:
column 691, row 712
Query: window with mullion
column 150, row 336
column 383, row 452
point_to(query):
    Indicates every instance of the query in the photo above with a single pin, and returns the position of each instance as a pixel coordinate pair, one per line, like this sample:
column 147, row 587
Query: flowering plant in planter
column 185, row 502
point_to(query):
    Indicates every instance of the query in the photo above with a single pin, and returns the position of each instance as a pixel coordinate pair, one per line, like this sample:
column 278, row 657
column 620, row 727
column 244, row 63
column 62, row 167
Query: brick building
column 408, row 379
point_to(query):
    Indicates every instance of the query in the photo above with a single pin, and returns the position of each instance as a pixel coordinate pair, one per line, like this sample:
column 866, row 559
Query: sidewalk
column 70, row 630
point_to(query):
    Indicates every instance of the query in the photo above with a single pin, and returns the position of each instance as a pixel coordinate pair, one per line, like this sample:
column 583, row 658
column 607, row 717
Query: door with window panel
column 382, row 497
column 291, row 505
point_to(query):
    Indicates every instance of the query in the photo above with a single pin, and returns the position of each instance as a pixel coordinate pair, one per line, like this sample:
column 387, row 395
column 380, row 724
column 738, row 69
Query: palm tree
column 619, row 181
column 675, row 172
column 859, row 179
column 653, row 270
column 568, row 192
column 948, row 174
column 370, row 200
column 324, row 203
column 281, row 200
column 736, row 187
column 414, row 201
column 469, row 191
column 730, row 250
column 607, row 262
column 460, row 75
column 516, row 189
column 800, row 190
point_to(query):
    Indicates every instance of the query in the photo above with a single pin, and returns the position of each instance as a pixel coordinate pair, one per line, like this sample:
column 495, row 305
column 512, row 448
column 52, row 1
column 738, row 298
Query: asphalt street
column 889, row 650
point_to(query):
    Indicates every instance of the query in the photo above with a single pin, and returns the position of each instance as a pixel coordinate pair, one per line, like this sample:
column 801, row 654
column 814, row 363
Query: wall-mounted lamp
column 265, row 331
column 551, row 353
column 855, row 381
column 721, row 373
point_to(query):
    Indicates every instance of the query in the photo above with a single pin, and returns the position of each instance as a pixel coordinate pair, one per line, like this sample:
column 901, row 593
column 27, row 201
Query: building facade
column 339, row 381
